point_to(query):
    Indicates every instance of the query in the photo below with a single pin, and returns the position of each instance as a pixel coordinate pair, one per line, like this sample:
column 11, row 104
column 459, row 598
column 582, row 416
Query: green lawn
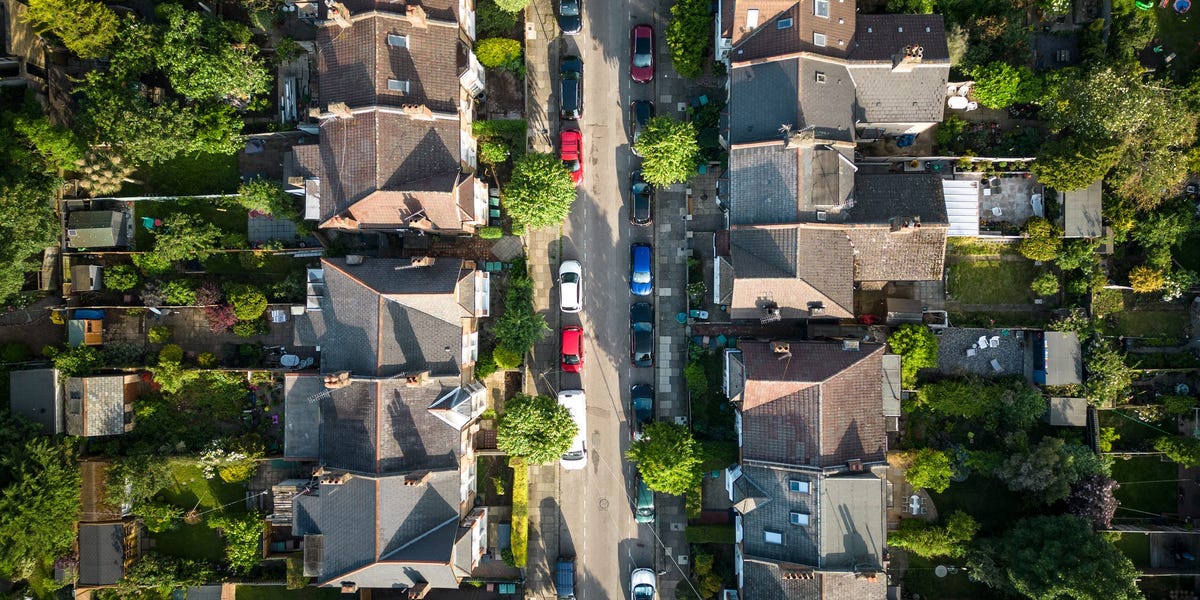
column 1136, row 546
column 1156, row 496
column 266, row 592
column 991, row 281
column 986, row 499
column 191, row 541
column 191, row 489
column 1171, row 324
column 225, row 214
column 919, row 579
column 972, row 246
column 187, row 175
column 1136, row 436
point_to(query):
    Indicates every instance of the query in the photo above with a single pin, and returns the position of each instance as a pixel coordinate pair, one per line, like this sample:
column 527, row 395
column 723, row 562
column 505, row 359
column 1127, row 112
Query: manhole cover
column 604, row 504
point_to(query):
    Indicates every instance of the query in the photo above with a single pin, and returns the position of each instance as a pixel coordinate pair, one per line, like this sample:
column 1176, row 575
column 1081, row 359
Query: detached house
column 810, row 505
column 396, row 152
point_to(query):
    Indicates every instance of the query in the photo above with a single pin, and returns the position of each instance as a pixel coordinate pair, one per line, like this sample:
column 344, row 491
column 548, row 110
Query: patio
column 959, row 352
column 1008, row 200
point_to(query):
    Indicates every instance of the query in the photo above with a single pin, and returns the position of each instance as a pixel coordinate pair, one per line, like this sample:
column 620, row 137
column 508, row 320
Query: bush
column 1045, row 284
column 207, row 360
column 490, row 233
column 220, row 317
column 295, row 572
column 1183, row 450
column 159, row 516
column 918, row 348
column 520, row 511
column 121, row 354
column 499, row 53
column 159, row 334
column 243, row 539
column 697, row 380
column 506, row 359
column 1146, row 279
column 492, row 21
column 485, row 365
column 170, row 353
column 1042, row 240
column 14, row 352
column 929, row 469
column 1178, row 405
column 689, row 34
column 512, row 6
column 247, row 301
column 121, row 278
column 492, row 153
column 179, row 292
column 710, row 534
column 249, row 329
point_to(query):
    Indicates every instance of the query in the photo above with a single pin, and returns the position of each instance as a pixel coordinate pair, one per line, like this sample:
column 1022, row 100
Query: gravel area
column 954, row 342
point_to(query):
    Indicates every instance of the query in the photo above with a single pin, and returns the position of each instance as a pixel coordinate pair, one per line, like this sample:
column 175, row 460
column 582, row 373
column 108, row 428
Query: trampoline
column 1182, row 6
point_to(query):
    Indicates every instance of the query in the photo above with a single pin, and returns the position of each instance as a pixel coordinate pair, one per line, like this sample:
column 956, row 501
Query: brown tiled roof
column 738, row 9
column 768, row 40
column 907, row 255
column 355, row 64
column 792, row 266
column 881, row 37
column 442, row 10
column 820, row 406
column 436, row 198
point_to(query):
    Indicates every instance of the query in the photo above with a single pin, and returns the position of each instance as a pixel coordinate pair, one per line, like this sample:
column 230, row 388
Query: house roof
column 884, row 95
column 771, row 183
column 1064, row 358
column 1068, row 412
column 386, row 317
column 101, row 553
column 767, row 95
column 96, row 229
column 908, row 255
column 962, row 206
column 775, row 580
column 879, row 197
column 769, row 39
column 790, row 266
column 1083, row 211
column 372, row 526
column 95, row 405
column 442, row 10
column 36, row 395
column 385, row 426
column 820, row 406
column 302, row 405
column 445, row 201
column 881, row 37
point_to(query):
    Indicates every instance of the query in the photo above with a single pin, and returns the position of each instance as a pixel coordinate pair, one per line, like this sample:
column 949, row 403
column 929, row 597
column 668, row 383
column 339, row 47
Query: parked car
column 570, row 78
column 643, row 503
column 570, row 150
column 641, row 53
column 640, row 112
column 641, row 277
column 572, row 349
column 570, row 286
column 564, row 577
column 641, row 408
column 575, row 457
column 570, row 16
column 641, row 334
column 641, row 198
column 642, row 584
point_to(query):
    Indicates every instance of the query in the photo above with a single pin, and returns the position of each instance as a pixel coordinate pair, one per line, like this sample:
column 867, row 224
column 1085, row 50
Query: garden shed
column 1082, row 212
column 962, row 206
column 36, row 395
column 97, row 229
column 101, row 554
column 1068, row 412
column 1063, row 359
column 86, row 328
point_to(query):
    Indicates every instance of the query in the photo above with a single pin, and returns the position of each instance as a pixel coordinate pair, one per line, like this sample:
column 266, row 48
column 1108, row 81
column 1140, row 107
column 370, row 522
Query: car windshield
column 569, row 277
column 643, row 112
column 576, row 455
column 569, row 8
column 641, row 52
column 572, row 165
column 571, row 359
column 645, row 512
column 641, row 277
column 643, row 592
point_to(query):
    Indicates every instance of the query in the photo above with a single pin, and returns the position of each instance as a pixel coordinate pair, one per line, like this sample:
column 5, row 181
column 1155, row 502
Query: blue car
column 641, row 280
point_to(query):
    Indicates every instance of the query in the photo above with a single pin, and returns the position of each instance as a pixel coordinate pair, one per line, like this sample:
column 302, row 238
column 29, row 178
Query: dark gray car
column 570, row 16
column 570, row 77
column 641, row 334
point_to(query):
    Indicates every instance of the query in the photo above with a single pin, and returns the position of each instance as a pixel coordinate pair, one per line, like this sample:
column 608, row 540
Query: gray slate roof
column 767, row 95
column 101, row 553
column 1064, row 359
column 373, row 527
column 414, row 323
column 36, row 395
column 773, row 184
column 302, row 405
column 880, row 196
column 95, row 405
column 791, row 266
column 97, row 229
column 1083, row 212
column 887, row 96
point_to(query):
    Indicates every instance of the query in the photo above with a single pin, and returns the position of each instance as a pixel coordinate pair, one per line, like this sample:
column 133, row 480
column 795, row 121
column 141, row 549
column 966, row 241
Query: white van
column 576, row 456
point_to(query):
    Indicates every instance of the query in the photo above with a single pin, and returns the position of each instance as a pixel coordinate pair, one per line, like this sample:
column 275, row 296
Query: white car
column 642, row 584
column 575, row 457
column 570, row 286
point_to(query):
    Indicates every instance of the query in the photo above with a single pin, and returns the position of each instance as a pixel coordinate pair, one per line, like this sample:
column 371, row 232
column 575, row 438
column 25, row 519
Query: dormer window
column 397, row 41
column 398, row 85
column 821, row 8
column 820, row 79
column 784, row 23
column 819, row 39
column 797, row 486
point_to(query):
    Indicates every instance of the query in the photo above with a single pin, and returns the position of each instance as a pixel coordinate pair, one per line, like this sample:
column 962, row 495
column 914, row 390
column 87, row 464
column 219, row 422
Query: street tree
column 86, row 27
column 535, row 428
column 540, row 193
column 928, row 541
column 918, row 348
column 689, row 34
column 1055, row 557
column 668, row 458
column 669, row 151
column 929, row 469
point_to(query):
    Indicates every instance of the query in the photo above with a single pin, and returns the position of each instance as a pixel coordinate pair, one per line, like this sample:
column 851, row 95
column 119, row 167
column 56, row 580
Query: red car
column 641, row 53
column 570, row 150
column 572, row 349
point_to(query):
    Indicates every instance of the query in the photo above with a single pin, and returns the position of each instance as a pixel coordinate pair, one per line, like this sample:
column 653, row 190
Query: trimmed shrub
column 247, row 301
column 507, row 359
column 1045, row 284
column 493, row 153
column 485, row 365
column 179, row 292
column 490, row 233
column 158, row 334
column 207, row 360
column 498, row 53
column 249, row 329
column 171, row 353
column 121, row 278
column 1145, row 279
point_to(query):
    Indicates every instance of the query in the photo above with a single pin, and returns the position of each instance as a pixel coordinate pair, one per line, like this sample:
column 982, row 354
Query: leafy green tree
column 121, row 278
column 512, row 6
column 1042, row 240
column 669, row 151
column 999, row 85
column 689, row 35
column 921, row 538
column 1055, row 7
column 61, row 148
column 248, row 302
column 77, row 361
column 1045, row 472
column 171, row 353
column 668, row 458
column 159, row 516
column 1178, row 405
column 540, row 193
column 1181, row 449
column 1077, row 254
column 519, row 327
column 929, row 469
column 998, row 405
column 179, row 292
column 86, row 27
column 1045, row 284
column 911, row 7
column 27, row 191
column 493, row 21
column 243, row 539
column 172, row 376
column 1055, row 557
column 228, row 68
column 165, row 573
column 136, row 478
column 267, row 197
column 1109, row 379
column 499, row 53
column 505, row 359
column 535, row 428
column 185, row 236
column 1070, row 162
column 158, row 334
column 918, row 349
column 39, row 498
column 1166, row 227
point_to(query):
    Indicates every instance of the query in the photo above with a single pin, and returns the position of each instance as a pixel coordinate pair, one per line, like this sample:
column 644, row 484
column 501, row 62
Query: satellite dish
column 940, row 570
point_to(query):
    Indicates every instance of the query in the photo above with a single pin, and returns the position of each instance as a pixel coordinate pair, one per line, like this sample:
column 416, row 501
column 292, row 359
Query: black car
column 570, row 16
column 641, row 408
column 641, row 197
column 641, row 334
column 640, row 112
column 570, row 78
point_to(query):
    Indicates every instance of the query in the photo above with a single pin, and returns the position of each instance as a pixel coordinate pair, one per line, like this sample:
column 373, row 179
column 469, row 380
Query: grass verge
column 991, row 281
column 1147, row 486
column 520, row 511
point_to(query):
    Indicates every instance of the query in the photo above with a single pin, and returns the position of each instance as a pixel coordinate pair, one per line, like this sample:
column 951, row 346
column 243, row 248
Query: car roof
column 572, row 334
column 641, row 253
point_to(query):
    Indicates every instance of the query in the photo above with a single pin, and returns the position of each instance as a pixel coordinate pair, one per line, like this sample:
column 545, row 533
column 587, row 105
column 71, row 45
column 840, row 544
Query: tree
column 61, row 148
column 1073, row 163
column 689, row 34
column 669, row 151
column 1108, row 377
column 536, row 428
column 1077, row 254
column 1045, row 284
column 164, row 573
column 267, row 197
column 243, row 539
column 499, row 53
column 929, row 469
column 540, row 193
column 76, row 362
column 185, row 236
column 1178, row 405
column 918, row 537
column 159, row 516
column 229, row 67
column 1047, row 470
column 39, row 500
column 1041, row 241
column 172, row 376
column 136, row 479
column 512, row 6
column 918, row 349
column 519, row 327
column 668, row 458
column 1055, row 7
column 1181, row 449
column 1055, row 557
column 121, row 278
column 1145, row 279
column 1166, row 227
column 493, row 21
column 86, row 27
column 248, row 302
column 999, row 85
column 1092, row 499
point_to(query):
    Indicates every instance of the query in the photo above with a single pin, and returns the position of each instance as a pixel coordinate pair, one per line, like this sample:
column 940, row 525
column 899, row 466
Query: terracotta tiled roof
column 770, row 40
column 436, row 199
column 819, row 406
column 791, row 266
column 908, row 255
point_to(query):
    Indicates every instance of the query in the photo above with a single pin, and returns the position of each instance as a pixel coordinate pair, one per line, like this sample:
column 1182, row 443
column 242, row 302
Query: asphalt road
column 597, row 522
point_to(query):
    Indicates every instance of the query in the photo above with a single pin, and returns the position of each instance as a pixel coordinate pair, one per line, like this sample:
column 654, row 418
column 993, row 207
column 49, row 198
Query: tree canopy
column 669, row 151
column 86, row 27
column 1007, row 404
column 229, row 67
column 918, row 349
column 1047, row 471
column 998, row 84
column 1109, row 379
column 929, row 469
column 688, row 37
column 540, row 193
column 39, row 498
column 922, row 539
column 536, row 428
column 1042, row 240
column 668, row 458
column 520, row 326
